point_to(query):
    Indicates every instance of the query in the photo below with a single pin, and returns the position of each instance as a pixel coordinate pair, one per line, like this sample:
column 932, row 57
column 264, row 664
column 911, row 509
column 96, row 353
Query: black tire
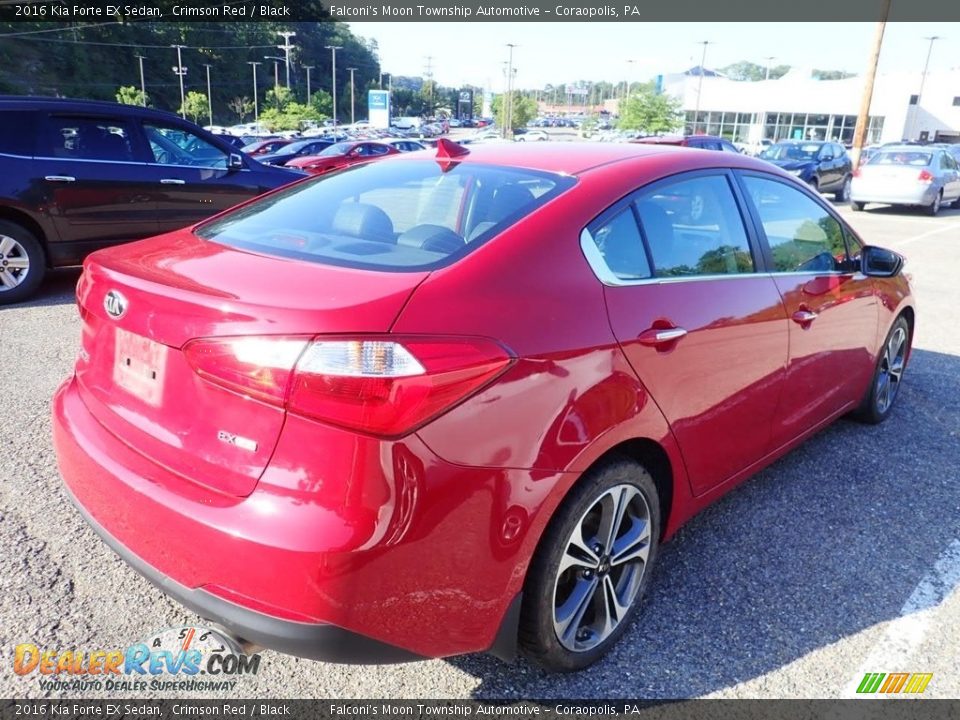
column 857, row 206
column 538, row 636
column 871, row 410
column 24, row 245
column 843, row 194
column 934, row 208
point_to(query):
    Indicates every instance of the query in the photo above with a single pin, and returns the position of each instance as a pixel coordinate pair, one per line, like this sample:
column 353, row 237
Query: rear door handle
column 173, row 181
column 804, row 317
column 60, row 178
column 654, row 337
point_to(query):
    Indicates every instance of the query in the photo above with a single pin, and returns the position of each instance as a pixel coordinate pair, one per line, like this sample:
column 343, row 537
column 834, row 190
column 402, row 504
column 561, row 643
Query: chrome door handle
column 60, row 178
column 173, row 181
column 660, row 336
column 804, row 317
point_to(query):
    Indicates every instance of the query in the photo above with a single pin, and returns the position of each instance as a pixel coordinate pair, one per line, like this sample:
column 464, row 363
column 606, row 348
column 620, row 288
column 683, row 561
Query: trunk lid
column 135, row 379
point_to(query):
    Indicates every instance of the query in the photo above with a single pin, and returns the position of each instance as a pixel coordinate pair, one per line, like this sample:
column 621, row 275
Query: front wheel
column 22, row 263
column 843, row 194
column 885, row 385
column 591, row 568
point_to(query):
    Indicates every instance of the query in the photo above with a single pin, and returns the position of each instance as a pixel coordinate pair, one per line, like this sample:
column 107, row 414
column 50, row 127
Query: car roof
column 576, row 158
column 71, row 104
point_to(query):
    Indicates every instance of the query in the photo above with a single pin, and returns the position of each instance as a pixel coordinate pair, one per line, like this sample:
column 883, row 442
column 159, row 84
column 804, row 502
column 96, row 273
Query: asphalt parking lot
column 842, row 558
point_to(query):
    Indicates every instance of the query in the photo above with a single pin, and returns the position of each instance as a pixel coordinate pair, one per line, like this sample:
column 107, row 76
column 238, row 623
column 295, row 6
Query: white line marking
column 952, row 227
column 905, row 634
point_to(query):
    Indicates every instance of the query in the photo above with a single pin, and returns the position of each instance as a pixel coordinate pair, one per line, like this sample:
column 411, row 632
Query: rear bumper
column 919, row 195
column 349, row 549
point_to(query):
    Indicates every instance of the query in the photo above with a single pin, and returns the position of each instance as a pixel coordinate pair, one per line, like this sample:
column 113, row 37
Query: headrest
column 435, row 238
column 363, row 221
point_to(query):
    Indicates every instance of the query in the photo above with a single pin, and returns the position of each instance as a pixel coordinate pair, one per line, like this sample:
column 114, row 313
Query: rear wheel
column 591, row 567
column 843, row 194
column 934, row 207
column 885, row 385
column 22, row 263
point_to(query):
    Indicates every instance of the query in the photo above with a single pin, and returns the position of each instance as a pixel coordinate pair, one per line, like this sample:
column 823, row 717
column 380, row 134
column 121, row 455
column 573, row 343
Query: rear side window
column 86, row 138
column 802, row 235
column 621, row 246
column 414, row 215
column 693, row 227
column 902, row 157
column 17, row 132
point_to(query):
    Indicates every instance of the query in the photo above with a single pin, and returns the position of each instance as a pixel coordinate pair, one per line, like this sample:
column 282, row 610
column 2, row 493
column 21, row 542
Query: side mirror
column 827, row 157
column 235, row 162
column 880, row 262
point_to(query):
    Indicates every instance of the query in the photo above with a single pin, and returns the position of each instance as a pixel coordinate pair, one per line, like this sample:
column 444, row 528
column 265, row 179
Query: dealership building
column 796, row 106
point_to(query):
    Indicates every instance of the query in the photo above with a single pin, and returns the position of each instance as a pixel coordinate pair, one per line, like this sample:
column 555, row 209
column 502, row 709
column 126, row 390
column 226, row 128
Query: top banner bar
column 474, row 10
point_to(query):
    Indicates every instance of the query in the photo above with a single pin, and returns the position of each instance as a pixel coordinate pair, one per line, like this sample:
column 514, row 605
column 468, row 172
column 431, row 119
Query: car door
column 703, row 328
column 831, row 305
column 827, row 167
column 951, row 177
column 191, row 175
column 92, row 180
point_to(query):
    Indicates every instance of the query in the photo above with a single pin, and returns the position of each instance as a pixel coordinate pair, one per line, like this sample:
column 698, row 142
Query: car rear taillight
column 925, row 176
column 380, row 385
column 856, row 173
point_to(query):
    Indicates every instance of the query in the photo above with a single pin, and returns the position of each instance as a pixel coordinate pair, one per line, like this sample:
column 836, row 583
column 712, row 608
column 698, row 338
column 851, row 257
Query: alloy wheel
column 891, row 369
column 601, row 569
column 845, row 192
column 14, row 263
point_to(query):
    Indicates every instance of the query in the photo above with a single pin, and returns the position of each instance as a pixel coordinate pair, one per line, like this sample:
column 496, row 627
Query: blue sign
column 378, row 99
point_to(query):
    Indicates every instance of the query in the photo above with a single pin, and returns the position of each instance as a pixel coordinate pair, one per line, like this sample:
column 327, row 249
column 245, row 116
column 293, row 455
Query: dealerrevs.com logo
column 184, row 658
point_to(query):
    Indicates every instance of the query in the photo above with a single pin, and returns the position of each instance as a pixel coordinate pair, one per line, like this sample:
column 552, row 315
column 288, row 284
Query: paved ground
column 793, row 586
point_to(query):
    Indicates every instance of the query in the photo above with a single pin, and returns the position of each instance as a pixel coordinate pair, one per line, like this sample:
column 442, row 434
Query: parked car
column 298, row 148
column 404, row 145
column 343, row 155
column 455, row 403
column 265, row 147
column 911, row 175
column 531, row 136
column 824, row 166
column 234, row 141
column 78, row 175
column 701, row 142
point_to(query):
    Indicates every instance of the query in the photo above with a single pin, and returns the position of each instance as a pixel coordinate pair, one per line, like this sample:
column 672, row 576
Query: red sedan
column 455, row 403
column 343, row 155
column 265, row 147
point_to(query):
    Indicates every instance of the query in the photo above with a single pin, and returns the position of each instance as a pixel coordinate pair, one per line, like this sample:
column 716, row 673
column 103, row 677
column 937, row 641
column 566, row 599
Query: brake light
column 381, row 385
column 856, row 173
column 925, row 176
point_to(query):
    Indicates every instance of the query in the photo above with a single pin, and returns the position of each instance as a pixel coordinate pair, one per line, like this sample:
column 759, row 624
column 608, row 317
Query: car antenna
column 448, row 152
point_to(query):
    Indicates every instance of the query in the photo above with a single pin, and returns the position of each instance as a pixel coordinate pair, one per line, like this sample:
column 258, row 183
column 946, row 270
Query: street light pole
column 769, row 59
column 143, row 84
column 333, row 72
column 703, row 60
column 276, row 69
column 508, row 115
column 209, row 95
column 256, row 103
column 352, row 118
column 308, row 68
column 923, row 82
column 286, row 47
column 180, row 71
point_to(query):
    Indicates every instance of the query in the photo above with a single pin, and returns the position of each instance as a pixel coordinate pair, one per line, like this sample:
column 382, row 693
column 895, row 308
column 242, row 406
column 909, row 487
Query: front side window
column 173, row 145
column 86, row 138
column 412, row 215
column 694, row 227
column 802, row 235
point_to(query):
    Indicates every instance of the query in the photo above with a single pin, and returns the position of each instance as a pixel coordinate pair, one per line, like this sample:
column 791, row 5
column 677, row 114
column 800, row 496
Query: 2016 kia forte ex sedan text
column 451, row 403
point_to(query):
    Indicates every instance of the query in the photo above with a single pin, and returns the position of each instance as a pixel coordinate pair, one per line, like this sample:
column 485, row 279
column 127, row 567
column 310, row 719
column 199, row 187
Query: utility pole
column 180, row 71
column 428, row 73
column 923, row 82
column 209, row 95
column 143, row 84
column 703, row 60
column 286, row 47
column 352, row 117
column 863, row 117
column 333, row 72
column 508, row 100
column 308, row 68
column 256, row 103
column 769, row 59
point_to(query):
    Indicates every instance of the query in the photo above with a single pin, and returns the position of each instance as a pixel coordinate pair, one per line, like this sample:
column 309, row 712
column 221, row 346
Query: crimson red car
column 343, row 155
column 264, row 147
column 455, row 403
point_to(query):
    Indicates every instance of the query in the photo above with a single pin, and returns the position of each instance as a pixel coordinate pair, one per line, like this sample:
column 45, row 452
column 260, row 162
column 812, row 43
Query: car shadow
column 58, row 288
column 827, row 542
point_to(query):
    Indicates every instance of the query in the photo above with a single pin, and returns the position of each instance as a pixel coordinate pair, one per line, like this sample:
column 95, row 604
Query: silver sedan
column 907, row 175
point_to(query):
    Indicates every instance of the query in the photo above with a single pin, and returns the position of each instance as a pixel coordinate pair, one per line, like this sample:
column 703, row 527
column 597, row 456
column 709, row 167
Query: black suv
column 78, row 175
column 825, row 166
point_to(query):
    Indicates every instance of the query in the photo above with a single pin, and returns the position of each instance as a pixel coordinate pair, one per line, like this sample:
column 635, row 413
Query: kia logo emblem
column 115, row 304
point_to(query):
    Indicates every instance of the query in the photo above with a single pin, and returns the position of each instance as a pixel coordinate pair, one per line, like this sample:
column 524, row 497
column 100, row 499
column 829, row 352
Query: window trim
column 792, row 182
column 151, row 158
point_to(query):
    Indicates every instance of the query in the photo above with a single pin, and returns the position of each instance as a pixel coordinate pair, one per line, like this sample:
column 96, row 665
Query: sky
column 474, row 52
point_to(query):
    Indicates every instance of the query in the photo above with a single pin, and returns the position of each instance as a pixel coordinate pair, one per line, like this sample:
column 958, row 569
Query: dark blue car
column 825, row 166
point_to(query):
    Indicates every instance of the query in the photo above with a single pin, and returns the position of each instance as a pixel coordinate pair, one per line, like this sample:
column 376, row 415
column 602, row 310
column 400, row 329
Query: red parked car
column 455, row 403
column 264, row 147
column 342, row 155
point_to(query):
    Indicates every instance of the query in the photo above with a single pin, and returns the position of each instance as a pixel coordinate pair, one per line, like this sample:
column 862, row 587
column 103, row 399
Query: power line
column 135, row 45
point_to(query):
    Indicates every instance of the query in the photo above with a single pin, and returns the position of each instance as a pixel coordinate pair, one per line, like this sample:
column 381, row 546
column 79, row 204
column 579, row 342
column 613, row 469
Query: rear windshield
column 901, row 157
column 406, row 215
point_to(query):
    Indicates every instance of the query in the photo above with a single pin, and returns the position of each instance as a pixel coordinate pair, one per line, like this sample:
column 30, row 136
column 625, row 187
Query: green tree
column 279, row 97
column 322, row 103
column 746, row 70
column 242, row 106
column 651, row 112
column 523, row 110
column 831, row 75
column 129, row 95
column 194, row 105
